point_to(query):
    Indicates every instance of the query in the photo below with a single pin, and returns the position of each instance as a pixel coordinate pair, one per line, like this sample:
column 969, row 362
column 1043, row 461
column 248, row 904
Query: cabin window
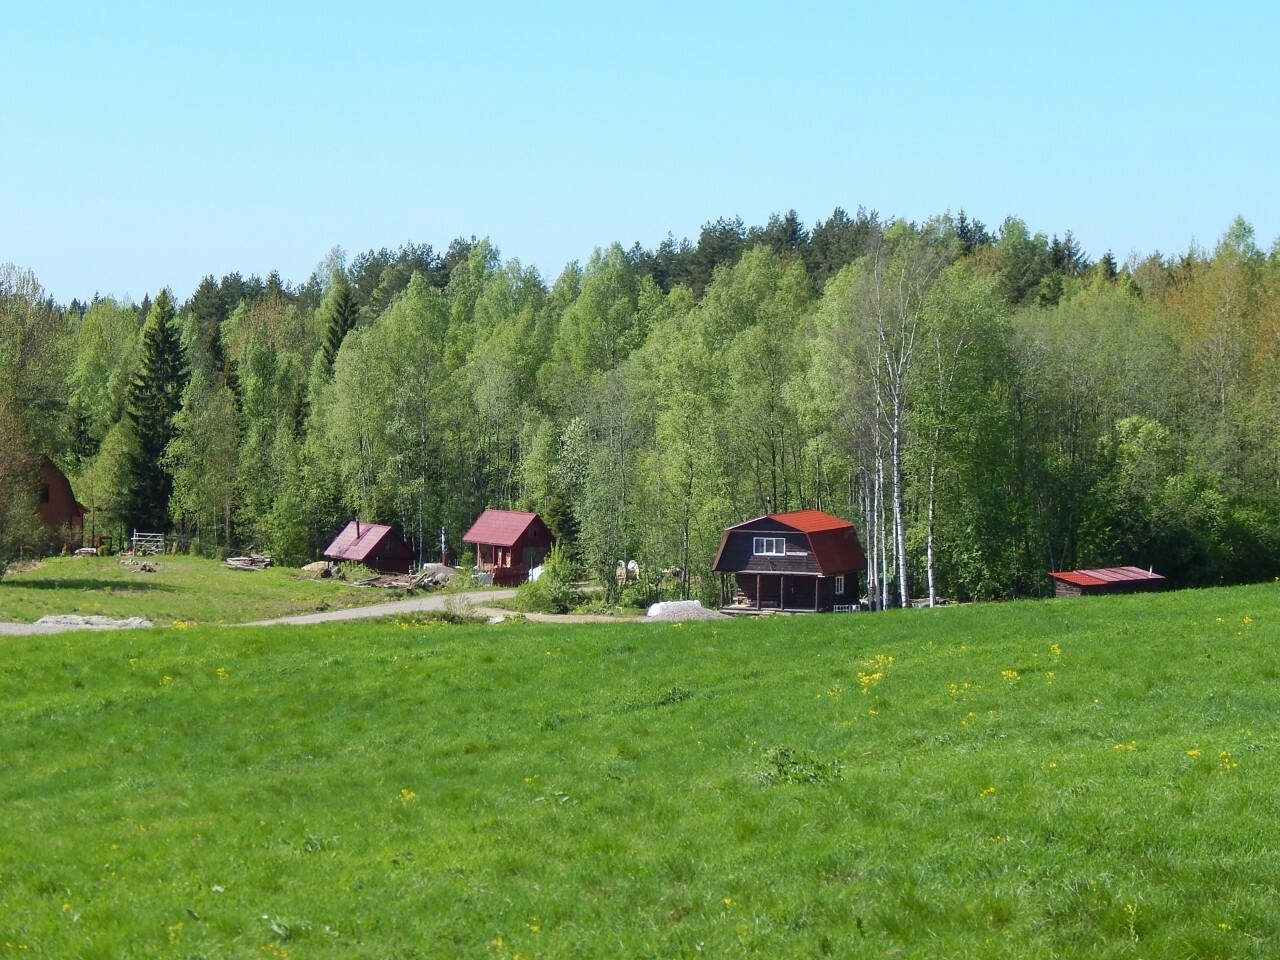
column 769, row 547
column 840, row 584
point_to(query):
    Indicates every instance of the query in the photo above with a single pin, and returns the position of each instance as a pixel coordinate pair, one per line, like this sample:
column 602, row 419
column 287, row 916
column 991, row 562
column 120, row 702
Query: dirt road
column 435, row 601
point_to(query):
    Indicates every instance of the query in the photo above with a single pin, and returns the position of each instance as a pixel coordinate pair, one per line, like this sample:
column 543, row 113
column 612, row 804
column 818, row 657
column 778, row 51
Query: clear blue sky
column 149, row 144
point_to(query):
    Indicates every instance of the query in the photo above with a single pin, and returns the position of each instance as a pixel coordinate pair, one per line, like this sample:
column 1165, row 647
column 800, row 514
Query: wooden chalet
column 1078, row 583
column 509, row 543
column 57, row 506
column 376, row 545
column 805, row 560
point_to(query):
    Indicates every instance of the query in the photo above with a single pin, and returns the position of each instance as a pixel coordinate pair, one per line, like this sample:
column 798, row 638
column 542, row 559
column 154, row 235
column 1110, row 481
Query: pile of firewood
column 401, row 581
column 252, row 562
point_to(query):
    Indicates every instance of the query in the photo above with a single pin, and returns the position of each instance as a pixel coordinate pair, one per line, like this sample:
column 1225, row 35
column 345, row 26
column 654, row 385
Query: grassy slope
column 1088, row 778
column 190, row 589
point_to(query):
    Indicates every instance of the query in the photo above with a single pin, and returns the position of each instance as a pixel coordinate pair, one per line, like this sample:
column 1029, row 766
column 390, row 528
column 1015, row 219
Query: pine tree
column 154, row 399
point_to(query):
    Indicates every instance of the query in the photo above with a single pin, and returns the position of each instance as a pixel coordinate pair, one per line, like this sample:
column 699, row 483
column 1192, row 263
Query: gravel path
column 435, row 601
column 63, row 623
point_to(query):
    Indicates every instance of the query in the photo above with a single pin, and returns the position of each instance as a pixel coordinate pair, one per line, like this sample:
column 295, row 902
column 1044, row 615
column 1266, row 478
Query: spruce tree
column 154, row 399
column 338, row 312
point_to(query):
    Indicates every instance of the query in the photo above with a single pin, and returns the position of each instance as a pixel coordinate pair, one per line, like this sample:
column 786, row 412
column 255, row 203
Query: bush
column 553, row 591
column 458, row 607
column 644, row 595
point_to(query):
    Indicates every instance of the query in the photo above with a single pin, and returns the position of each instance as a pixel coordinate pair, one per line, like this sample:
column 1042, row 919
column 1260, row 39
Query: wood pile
column 427, row 576
column 252, row 562
column 138, row 566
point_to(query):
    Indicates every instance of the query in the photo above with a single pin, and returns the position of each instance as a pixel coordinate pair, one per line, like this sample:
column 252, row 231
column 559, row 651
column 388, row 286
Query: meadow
column 183, row 588
column 1068, row 778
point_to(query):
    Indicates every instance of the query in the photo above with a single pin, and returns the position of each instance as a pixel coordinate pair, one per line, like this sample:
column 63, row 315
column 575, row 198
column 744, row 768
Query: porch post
column 757, row 591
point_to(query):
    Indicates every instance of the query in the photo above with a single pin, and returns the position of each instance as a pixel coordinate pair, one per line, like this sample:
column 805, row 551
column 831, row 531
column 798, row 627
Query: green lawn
column 183, row 588
column 1085, row 778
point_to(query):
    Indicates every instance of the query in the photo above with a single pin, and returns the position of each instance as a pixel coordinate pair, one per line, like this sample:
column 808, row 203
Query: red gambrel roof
column 1104, row 575
column 810, row 521
column 499, row 528
column 834, row 541
column 356, row 541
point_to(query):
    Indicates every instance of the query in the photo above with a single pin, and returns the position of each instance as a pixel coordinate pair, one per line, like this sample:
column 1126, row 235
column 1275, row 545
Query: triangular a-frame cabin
column 376, row 545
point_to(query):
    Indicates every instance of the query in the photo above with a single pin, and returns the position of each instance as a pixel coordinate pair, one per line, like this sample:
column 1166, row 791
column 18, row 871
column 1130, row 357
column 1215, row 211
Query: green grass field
column 183, row 588
column 1085, row 778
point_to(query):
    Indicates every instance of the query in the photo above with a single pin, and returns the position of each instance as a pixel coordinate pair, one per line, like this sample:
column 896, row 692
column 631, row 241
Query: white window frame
column 769, row 546
column 839, row 588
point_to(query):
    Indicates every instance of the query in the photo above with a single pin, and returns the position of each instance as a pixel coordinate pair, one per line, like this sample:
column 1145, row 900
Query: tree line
column 985, row 405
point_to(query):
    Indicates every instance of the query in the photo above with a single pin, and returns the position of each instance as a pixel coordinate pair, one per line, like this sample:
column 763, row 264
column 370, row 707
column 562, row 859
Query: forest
column 986, row 405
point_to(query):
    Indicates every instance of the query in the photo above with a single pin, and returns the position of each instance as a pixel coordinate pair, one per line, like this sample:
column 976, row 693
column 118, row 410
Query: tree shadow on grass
column 115, row 586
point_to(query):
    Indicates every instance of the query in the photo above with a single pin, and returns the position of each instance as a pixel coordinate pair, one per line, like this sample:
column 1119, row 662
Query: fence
column 147, row 543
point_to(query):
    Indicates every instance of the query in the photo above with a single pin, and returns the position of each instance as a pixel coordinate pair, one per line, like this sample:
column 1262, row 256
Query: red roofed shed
column 508, row 544
column 802, row 560
column 1076, row 583
column 375, row 545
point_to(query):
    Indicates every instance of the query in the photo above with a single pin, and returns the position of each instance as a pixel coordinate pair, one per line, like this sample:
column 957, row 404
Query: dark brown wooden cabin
column 376, row 545
column 805, row 560
column 57, row 506
column 1078, row 583
column 509, row 543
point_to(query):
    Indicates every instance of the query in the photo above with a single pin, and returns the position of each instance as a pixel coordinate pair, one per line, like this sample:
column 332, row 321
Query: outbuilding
column 804, row 560
column 1078, row 583
column 57, row 505
column 509, row 543
column 376, row 545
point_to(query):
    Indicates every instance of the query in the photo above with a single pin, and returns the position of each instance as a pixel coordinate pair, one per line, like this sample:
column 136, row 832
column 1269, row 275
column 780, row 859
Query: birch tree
column 888, row 305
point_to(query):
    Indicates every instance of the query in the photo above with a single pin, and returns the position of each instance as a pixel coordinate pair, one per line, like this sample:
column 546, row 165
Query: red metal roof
column 838, row 550
column 804, row 521
column 499, row 528
column 1104, row 575
column 811, row 521
column 356, row 541
column 834, row 541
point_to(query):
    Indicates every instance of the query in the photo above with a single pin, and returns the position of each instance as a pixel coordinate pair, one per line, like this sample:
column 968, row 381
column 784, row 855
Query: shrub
column 553, row 591
column 458, row 607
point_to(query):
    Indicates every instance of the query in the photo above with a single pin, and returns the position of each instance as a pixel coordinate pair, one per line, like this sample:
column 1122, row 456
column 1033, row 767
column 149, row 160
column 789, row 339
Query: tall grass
column 1089, row 778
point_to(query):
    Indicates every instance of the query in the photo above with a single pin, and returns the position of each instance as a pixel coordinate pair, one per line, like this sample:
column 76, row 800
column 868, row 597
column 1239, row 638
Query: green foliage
column 966, row 398
column 783, row 765
column 154, row 399
column 203, row 458
column 554, row 591
column 20, row 529
column 35, row 345
column 337, row 316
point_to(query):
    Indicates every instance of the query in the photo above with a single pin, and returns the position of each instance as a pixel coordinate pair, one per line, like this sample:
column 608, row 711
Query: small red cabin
column 57, row 505
column 1077, row 583
column 509, row 543
column 802, row 560
column 376, row 545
